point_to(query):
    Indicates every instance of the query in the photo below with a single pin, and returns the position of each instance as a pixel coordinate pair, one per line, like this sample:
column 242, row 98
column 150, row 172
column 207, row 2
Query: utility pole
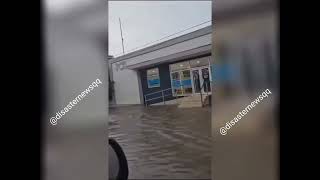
column 121, row 36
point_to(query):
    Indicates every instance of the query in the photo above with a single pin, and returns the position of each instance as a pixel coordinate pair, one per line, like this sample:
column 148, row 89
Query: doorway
column 181, row 83
column 201, row 77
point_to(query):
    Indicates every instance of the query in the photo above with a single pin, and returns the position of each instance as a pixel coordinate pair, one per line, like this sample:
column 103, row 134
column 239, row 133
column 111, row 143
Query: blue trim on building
column 165, row 83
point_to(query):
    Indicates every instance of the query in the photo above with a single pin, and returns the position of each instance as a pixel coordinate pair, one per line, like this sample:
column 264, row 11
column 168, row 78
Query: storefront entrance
column 181, row 83
column 190, row 77
column 201, row 80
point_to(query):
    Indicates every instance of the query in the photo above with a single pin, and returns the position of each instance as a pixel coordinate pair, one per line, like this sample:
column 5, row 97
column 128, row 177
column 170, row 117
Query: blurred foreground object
column 75, row 55
column 245, row 63
column 118, row 164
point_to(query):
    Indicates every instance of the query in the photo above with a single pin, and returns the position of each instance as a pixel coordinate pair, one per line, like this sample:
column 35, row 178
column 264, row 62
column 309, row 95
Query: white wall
column 126, row 86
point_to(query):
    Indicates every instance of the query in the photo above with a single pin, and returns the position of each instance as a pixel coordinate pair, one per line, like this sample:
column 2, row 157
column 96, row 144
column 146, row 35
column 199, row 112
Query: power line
column 166, row 37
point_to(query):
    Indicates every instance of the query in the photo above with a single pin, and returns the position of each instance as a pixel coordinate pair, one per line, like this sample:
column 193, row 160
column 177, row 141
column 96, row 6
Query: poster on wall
column 153, row 78
column 154, row 82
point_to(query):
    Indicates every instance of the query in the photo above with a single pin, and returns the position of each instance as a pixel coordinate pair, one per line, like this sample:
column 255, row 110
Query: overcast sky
column 144, row 22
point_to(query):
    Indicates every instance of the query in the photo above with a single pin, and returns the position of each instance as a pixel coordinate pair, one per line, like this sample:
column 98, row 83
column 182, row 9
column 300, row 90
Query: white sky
column 144, row 22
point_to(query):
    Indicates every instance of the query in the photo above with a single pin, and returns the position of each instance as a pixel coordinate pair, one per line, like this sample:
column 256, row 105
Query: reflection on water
column 164, row 141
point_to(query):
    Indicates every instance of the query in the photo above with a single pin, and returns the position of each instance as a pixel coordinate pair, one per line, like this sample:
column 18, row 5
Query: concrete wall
column 126, row 85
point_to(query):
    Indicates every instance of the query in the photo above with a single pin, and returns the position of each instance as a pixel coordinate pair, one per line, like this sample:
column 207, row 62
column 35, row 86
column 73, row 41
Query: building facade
column 175, row 68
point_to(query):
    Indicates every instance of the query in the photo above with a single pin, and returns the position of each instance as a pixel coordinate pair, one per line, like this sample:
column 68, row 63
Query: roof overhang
column 189, row 54
column 162, row 45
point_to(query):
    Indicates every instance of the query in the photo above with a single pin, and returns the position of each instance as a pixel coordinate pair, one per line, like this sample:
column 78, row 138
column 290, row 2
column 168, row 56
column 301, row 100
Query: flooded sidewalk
column 164, row 141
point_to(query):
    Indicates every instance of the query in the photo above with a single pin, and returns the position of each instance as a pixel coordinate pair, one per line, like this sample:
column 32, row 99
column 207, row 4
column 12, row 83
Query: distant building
column 177, row 67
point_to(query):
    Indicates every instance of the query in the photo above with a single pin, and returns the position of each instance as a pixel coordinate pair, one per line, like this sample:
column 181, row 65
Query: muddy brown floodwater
column 164, row 141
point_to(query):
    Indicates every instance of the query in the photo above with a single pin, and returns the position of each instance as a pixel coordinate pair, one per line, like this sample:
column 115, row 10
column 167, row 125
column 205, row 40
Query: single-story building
column 174, row 68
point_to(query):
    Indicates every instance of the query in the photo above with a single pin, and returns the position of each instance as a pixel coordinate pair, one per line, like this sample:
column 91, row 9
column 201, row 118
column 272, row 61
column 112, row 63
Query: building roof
column 185, row 37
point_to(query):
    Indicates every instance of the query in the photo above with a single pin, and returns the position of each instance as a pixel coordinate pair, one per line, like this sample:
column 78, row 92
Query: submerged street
column 164, row 141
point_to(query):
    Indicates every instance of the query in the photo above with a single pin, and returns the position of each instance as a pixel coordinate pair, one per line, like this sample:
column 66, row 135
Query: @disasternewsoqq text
column 67, row 108
column 231, row 123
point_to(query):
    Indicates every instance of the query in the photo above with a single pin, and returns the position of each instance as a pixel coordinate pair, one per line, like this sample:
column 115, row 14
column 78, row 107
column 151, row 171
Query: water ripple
column 164, row 141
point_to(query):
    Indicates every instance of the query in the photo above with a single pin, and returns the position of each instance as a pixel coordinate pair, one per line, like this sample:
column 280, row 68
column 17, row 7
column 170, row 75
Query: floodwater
column 164, row 141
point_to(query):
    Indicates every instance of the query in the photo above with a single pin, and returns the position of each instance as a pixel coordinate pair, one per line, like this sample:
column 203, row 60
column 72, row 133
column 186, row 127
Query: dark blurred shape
column 118, row 164
column 246, row 62
column 111, row 85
